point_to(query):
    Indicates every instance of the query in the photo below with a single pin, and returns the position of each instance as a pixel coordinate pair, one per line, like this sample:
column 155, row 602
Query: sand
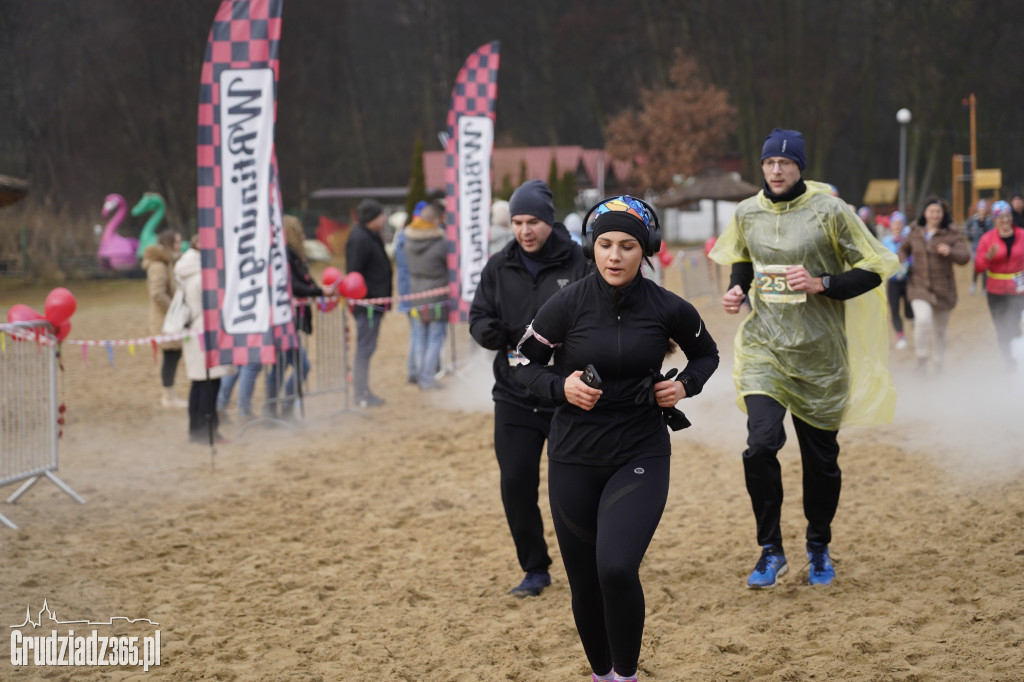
column 374, row 547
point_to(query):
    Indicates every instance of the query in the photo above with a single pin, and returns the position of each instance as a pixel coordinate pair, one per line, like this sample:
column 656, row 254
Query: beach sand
column 374, row 546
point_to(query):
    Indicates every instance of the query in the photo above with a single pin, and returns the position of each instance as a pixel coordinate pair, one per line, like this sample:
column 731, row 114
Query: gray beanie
column 368, row 209
column 533, row 198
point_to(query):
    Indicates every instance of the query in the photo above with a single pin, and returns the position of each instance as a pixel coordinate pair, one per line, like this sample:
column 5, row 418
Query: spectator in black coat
column 365, row 254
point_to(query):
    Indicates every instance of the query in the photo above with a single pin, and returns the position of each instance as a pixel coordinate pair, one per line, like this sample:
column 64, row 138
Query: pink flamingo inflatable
column 116, row 252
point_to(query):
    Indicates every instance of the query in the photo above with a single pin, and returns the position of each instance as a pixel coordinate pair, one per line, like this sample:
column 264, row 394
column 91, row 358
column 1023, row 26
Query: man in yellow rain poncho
column 815, row 342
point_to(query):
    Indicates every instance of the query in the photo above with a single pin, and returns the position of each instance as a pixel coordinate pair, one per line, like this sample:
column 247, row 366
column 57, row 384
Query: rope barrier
column 155, row 340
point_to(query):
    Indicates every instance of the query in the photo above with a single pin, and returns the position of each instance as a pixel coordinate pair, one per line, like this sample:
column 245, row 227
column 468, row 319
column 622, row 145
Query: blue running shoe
column 533, row 584
column 770, row 567
column 820, row 571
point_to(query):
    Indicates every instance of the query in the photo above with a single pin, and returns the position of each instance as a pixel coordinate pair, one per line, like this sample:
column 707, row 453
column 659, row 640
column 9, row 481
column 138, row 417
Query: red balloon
column 331, row 275
column 665, row 257
column 64, row 330
column 353, row 286
column 60, row 306
column 709, row 244
column 19, row 312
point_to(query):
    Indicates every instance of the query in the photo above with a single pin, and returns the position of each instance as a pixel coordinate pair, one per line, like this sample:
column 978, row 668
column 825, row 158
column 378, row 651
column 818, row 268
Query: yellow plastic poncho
column 825, row 360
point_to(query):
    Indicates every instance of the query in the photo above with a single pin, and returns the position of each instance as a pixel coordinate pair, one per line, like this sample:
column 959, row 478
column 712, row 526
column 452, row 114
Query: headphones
column 650, row 245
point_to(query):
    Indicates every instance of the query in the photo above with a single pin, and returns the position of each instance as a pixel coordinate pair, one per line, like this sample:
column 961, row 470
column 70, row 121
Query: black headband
column 619, row 221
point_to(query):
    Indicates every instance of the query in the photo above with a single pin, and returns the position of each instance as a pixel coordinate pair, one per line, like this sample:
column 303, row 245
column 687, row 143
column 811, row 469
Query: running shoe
column 901, row 344
column 533, row 584
column 771, row 566
column 820, row 571
column 370, row 400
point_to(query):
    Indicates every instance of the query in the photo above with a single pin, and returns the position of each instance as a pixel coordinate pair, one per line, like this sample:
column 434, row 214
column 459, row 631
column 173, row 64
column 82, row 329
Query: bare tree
column 676, row 130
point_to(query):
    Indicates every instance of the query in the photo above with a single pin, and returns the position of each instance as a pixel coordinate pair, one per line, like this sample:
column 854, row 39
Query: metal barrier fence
column 29, row 408
column 326, row 350
column 699, row 275
column 329, row 350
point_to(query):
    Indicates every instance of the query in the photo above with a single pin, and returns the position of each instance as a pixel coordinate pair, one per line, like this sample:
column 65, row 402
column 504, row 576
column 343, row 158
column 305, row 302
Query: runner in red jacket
column 1001, row 257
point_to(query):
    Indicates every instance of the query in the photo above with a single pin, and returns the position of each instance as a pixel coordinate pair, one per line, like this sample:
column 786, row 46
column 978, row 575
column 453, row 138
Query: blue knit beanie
column 533, row 198
column 789, row 144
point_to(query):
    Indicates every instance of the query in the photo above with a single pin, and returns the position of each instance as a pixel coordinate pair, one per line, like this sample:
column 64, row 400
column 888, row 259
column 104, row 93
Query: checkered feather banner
column 468, row 155
column 247, row 309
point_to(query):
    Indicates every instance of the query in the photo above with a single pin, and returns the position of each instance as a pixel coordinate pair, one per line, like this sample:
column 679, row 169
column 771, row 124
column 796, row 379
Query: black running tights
column 170, row 367
column 604, row 520
column 822, row 477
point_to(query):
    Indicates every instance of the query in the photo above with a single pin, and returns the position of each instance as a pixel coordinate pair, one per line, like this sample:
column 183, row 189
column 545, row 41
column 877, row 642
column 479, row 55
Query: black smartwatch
column 689, row 384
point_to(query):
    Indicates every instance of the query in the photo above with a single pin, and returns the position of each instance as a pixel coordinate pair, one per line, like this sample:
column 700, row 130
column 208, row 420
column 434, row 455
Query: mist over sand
column 373, row 545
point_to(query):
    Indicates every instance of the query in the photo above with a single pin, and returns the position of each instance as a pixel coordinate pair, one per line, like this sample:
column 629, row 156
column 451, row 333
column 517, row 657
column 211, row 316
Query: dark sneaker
column 370, row 400
column 820, row 571
column 533, row 584
column 771, row 566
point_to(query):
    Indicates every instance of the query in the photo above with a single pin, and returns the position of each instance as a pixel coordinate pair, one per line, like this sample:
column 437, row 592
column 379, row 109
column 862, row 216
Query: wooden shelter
column 12, row 190
column 712, row 183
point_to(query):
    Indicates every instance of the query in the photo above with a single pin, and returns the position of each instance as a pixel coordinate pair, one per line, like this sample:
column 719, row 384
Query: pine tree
column 417, row 178
column 506, row 189
column 567, row 190
column 553, row 182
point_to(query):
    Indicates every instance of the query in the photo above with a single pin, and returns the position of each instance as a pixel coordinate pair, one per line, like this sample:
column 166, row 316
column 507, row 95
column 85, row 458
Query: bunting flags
column 468, row 153
column 246, row 289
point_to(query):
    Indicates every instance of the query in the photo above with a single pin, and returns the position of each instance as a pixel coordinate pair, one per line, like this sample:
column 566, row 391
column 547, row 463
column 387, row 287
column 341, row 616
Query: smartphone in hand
column 590, row 377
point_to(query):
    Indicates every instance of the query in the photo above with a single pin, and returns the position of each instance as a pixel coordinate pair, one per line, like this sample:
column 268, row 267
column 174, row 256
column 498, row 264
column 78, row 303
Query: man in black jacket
column 516, row 281
column 365, row 254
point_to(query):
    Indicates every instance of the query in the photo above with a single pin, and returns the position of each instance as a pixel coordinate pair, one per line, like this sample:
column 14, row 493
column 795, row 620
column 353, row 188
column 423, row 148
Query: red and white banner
column 247, row 311
column 468, row 154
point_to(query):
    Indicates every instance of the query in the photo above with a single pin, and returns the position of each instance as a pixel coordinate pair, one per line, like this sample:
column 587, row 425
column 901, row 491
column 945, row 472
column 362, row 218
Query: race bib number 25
column 772, row 286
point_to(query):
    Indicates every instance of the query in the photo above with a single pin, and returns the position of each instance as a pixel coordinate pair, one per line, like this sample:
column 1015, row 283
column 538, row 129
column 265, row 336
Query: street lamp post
column 903, row 118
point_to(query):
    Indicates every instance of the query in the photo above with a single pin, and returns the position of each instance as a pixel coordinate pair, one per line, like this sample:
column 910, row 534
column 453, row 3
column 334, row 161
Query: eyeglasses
column 783, row 164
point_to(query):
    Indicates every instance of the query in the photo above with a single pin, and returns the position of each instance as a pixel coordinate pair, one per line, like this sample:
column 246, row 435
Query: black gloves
column 496, row 336
column 674, row 417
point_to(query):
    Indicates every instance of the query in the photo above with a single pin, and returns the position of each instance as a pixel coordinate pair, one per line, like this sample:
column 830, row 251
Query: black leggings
column 202, row 410
column 170, row 367
column 1006, row 312
column 604, row 518
column 822, row 478
column 897, row 291
column 519, row 436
